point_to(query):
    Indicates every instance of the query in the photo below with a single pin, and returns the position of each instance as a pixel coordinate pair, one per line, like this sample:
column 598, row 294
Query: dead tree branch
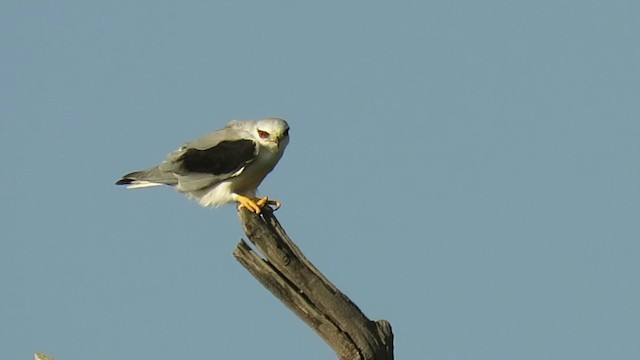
column 287, row 273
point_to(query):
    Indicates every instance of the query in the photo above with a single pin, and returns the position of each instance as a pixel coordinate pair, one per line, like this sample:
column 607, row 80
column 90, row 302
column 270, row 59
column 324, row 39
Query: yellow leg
column 256, row 205
column 249, row 204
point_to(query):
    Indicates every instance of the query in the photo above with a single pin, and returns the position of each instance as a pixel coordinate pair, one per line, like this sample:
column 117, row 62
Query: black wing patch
column 224, row 158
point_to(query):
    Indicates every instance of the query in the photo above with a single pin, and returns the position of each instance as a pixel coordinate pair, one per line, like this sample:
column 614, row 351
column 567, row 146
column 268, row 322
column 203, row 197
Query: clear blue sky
column 467, row 170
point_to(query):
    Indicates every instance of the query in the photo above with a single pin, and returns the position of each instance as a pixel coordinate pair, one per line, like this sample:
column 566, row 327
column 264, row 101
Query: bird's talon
column 245, row 202
column 262, row 202
column 256, row 205
column 242, row 206
column 276, row 204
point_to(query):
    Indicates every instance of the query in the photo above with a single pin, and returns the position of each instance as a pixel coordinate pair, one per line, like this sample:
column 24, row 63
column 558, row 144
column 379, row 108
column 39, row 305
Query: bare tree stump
column 290, row 277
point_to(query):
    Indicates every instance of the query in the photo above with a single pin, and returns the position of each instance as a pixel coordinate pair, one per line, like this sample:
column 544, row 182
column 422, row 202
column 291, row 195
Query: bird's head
column 272, row 133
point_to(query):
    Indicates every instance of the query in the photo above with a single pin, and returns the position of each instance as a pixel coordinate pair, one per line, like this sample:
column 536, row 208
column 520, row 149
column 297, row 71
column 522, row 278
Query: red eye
column 263, row 134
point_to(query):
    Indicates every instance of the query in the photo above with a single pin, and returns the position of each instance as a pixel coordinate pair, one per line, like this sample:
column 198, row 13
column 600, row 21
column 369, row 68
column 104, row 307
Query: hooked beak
column 280, row 139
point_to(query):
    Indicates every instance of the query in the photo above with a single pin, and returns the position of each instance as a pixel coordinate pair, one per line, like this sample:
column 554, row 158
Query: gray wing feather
column 171, row 172
column 228, row 133
column 172, row 162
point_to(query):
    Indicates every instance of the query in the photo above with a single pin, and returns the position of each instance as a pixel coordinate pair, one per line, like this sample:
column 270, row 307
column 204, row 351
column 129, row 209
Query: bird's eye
column 286, row 132
column 263, row 134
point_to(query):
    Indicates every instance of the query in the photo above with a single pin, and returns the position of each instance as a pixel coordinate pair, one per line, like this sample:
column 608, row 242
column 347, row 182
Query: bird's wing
column 210, row 159
column 213, row 158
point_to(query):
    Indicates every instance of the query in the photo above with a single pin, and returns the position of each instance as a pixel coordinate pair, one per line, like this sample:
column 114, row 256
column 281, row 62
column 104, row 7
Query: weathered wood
column 293, row 279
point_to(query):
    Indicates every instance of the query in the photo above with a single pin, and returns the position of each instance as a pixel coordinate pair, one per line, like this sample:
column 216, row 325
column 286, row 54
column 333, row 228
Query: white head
column 272, row 133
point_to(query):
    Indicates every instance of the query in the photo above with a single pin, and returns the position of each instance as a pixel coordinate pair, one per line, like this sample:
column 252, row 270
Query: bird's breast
column 257, row 170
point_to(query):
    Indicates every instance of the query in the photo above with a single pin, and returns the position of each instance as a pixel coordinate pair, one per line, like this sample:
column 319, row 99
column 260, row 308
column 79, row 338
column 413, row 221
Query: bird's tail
column 147, row 178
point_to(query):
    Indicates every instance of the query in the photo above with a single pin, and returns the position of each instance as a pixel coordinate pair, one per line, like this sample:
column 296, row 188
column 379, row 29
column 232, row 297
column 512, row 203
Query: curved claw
column 276, row 204
column 266, row 201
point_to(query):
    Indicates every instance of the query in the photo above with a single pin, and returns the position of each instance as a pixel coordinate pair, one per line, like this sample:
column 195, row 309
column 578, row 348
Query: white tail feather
column 139, row 184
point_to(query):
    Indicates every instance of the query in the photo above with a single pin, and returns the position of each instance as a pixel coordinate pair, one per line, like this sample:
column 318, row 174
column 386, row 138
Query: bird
column 222, row 167
column 42, row 356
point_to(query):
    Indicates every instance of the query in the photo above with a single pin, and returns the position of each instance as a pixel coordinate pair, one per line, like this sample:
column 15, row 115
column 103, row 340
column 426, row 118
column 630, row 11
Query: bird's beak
column 278, row 139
